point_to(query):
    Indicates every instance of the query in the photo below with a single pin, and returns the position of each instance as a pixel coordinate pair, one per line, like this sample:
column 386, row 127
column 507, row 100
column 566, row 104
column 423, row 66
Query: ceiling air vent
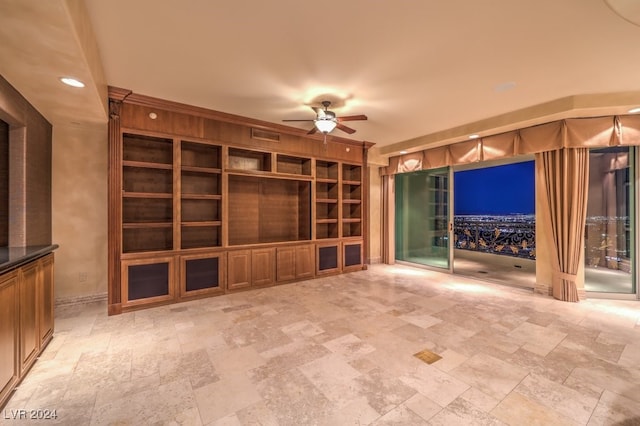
column 265, row 135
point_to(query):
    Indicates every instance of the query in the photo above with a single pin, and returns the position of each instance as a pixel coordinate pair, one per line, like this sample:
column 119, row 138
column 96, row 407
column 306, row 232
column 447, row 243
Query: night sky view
column 495, row 191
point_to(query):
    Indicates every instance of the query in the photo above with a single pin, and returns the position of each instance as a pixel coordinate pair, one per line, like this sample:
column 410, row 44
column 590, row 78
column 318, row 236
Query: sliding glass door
column 610, row 229
column 422, row 217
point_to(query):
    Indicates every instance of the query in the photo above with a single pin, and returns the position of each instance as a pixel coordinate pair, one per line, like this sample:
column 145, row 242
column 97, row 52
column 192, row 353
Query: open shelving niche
column 201, row 195
column 147, row 193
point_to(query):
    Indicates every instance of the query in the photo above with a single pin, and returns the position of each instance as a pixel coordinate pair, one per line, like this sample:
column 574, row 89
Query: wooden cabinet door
column 263, row 264
column 29, row 338
column 238, row 269
column 305, row 261
column 286, row 263
column 352, row 256
column 45, row 300
column 328, row 258
column 9, row 333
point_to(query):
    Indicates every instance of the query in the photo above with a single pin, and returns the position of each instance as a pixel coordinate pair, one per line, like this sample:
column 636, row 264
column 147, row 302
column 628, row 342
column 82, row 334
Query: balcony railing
column 503, row 235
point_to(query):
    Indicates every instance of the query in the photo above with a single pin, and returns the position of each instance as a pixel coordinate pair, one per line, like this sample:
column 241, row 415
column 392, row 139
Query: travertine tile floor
column 339, row 351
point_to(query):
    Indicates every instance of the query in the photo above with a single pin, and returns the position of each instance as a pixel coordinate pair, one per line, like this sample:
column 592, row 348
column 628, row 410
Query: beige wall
column 80, row 211
column 375, row 215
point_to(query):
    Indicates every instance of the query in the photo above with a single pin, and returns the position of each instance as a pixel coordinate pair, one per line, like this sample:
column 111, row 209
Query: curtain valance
column 589, row 132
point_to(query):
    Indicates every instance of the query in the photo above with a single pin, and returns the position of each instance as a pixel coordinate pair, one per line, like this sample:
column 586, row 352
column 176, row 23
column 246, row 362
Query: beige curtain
column 565, row 175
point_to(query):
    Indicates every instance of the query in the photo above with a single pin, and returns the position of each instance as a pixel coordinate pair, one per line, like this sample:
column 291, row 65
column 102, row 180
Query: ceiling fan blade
column 353, row 117
column 345, row 128
column 297, row 120
column 312, row 131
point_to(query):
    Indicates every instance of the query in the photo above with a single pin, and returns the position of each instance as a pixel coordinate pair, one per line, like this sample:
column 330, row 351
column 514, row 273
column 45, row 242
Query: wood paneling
column 45, row 300
column 263, row 267
column 9, row 335
column 29, row 339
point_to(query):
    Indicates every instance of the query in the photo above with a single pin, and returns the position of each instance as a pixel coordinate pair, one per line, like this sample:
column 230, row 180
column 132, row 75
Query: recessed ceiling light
column 474, row 136
column 634, row 110
column 403, row 152
column 69, row 81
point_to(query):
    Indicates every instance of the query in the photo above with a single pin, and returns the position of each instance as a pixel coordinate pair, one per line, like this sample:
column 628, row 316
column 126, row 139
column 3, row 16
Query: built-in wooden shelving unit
column 198, row 207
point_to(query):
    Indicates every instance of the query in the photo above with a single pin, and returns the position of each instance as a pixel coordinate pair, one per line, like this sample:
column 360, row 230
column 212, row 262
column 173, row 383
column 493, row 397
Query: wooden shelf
column 201, row 157
column 327, row 171
column 352, row 174
column 147, row 195
column 135, row 225
column 247, row 160
column 195, row 169
column 327, row 200
column 351, row 201
column 352, row 220
column 326, row 220
column 200, row 197
column 322, row 180
column 147, row 165
column 147, row 149
column 293, row 165
column 203, row 223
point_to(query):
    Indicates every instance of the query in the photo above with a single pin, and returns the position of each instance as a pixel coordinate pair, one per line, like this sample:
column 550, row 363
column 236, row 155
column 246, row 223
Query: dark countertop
column 12, row 257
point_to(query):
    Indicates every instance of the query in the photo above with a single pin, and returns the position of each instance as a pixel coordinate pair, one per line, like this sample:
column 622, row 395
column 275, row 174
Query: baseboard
column 79, row 300
column 375, row 260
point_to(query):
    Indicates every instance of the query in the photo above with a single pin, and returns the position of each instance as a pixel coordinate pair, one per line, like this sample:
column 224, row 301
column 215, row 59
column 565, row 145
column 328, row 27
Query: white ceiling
column 423, row 71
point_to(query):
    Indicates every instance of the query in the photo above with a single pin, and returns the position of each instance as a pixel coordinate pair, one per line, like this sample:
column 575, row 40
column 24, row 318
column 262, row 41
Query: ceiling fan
column 326, row 120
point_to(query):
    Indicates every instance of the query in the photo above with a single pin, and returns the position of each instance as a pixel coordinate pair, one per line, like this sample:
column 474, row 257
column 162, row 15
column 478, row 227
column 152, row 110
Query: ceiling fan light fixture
column 325, row 125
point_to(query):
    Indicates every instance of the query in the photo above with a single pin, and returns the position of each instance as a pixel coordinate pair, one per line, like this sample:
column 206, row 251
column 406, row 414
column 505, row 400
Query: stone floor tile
column 225, row 397
column 516, row 409
column 461, row 412
column 614, row 409
column 490, row 375
column 438, row 386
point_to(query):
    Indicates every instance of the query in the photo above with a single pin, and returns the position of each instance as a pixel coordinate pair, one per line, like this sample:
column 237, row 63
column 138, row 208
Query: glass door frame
column 635, row 246
column 449, row 232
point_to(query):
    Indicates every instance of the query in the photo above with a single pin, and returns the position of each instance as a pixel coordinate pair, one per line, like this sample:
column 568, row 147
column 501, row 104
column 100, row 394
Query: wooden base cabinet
column 263, row 264
column 29, row 338
column 251, row 268
column 9, row 335
column 328, row 258
column 26, row 320
column 351, row 255
column 295, row 262
column 46, row 300
column 202, row 274
column 147, row 281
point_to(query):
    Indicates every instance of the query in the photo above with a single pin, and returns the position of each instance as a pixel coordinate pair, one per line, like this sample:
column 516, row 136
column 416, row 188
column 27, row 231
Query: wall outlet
column 82, row 277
